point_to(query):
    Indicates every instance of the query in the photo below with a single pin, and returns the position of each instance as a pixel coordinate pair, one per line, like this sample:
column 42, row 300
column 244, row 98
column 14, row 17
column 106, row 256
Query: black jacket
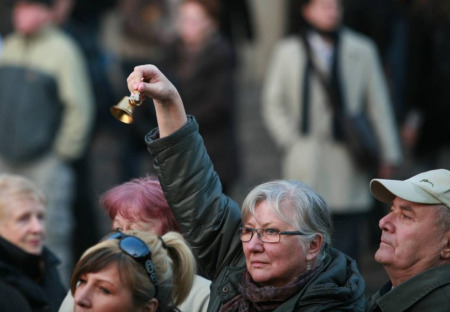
column 210, row 221
column 35, row 277
column 12, row 300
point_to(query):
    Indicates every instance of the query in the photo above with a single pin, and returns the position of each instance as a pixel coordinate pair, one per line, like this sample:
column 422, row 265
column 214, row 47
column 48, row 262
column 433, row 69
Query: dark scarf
column 334, row 82
column 255, row 298
column 34, row 276
column 28, row 264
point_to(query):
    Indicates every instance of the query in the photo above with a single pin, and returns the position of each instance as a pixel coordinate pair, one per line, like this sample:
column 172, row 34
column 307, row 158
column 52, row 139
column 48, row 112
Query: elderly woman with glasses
column 134, row 271
column 276, row 254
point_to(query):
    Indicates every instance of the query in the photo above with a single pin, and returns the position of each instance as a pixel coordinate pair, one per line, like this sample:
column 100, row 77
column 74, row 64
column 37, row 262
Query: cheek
column 281, row 255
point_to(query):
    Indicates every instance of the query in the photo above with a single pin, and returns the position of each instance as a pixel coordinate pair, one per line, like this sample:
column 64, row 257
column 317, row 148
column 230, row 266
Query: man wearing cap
column 415, row 243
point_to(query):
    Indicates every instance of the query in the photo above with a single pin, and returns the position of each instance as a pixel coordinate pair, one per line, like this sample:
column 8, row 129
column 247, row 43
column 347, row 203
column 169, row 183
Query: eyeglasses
column 267, row 235
column 139, row 251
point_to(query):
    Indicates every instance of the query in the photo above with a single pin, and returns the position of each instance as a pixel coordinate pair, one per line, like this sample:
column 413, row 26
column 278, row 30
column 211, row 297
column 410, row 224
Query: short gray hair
column 443, row 217
column 311, row 213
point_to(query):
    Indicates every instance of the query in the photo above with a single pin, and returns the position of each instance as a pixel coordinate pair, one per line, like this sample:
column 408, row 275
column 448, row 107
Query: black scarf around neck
column 29, row 264
column 334, row 80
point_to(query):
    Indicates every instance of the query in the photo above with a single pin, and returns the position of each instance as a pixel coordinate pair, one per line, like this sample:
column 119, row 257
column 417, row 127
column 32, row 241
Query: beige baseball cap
column 430, row 187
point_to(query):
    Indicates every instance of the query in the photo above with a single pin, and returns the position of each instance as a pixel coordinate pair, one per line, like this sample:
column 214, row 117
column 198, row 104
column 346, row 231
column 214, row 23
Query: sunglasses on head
column 139, row 251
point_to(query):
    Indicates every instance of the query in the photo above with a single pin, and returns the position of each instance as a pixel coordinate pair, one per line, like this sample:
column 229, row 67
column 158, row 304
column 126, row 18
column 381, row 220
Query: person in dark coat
column 11, row 300
column 201, row 65
column 25, row 264
column 275, row 253
column 425, row 126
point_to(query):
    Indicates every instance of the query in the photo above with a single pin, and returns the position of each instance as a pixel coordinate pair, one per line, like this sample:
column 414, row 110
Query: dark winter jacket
column 11, row 300
column 427, row 291
column 210, row 222
column 206, row 83
column 35, row 277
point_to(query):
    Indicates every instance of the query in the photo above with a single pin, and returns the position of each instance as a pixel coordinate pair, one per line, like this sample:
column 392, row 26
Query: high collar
column 43, row 32
column 27, row 263
column 330, row 35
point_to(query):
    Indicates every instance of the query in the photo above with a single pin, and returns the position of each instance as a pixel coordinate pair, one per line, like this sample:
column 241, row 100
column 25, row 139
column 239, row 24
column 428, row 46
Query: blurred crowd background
column 413, row 42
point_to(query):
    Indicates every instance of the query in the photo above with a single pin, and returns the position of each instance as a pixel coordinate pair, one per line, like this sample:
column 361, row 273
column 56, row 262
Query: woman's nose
column 255, row 244
column 82, row 298
column 38, row 224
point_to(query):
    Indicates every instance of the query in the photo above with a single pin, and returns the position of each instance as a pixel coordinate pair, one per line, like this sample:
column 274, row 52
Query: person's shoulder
column 201, row 287
column 200, row 281
column 11, row 300
column 11, row 38
column 65, row 43
column 356, row 40
column 198, row 298
column 288, row 48
column 289, row 42
column 11, row 43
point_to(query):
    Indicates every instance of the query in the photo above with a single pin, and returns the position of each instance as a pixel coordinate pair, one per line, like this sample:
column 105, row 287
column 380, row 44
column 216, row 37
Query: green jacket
column 210, row 221
column 428, row 291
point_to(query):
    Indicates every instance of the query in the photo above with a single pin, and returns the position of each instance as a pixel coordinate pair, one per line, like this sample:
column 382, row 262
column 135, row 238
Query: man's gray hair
column 311, row 213
column 443, row 217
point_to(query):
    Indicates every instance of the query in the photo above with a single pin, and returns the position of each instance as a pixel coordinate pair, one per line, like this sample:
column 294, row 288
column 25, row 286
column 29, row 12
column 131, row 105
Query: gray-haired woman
column 276, row 255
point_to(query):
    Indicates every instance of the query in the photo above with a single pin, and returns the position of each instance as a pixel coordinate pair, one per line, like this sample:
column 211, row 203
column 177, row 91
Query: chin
column 259, row 279
column 381, row 257
column 35, row 250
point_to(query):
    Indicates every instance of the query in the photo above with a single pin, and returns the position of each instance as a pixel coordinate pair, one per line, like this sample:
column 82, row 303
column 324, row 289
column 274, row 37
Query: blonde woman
column 134, row 271
column 25, row 263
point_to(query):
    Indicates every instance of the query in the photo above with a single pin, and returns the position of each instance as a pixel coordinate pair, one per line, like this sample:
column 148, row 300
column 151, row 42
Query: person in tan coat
column 298, row 114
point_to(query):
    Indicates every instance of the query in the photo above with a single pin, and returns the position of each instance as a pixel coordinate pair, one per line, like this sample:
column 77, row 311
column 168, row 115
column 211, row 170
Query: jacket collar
column 413, row 290
column 29, row 264
column 338, row 279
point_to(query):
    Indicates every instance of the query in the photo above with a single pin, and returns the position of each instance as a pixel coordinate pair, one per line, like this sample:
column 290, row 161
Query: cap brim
column 386, row 190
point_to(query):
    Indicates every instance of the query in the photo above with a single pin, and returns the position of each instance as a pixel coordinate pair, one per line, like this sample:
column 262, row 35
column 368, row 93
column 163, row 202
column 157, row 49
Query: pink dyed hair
column 140, row 199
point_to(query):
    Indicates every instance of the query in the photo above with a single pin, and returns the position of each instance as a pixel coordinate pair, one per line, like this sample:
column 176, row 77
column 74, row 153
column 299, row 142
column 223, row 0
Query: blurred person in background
column 81, row 19
column 201, row 65
column 46, row 113
column 25, row 263
column 425, row 126
column 134, row 271
column 12, row 300
column 140, row 204
column 297, row 108
column 133, row 32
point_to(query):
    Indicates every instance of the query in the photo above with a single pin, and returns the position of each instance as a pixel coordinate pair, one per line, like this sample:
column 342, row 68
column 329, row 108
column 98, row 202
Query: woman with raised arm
column 275, row 254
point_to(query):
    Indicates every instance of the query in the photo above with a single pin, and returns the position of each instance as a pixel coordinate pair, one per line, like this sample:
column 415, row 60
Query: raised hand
column 150, row 82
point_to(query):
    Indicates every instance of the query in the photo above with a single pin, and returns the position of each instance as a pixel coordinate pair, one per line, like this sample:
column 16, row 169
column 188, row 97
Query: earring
column 308, row 266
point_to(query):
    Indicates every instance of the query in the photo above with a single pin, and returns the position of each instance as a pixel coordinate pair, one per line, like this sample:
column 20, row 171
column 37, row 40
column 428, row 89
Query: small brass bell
column 123, row 110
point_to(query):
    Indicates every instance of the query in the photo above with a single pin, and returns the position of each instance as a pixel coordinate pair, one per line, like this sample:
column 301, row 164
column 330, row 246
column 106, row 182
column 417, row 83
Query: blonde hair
column 173, row 260
column 17, row 187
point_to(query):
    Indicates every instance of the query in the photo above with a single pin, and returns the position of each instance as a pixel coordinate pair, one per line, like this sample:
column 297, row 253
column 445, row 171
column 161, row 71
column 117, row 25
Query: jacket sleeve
column 78, row 102
column 277, row 109
column 380, row 109
column 209, row 219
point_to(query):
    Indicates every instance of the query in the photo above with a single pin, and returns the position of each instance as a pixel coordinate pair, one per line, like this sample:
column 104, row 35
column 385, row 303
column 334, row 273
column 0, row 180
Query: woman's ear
column 314, row 247
column 151, row 306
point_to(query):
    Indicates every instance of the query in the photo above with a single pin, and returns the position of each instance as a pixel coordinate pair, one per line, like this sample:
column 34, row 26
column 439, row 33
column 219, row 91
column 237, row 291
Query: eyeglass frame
column 145, row 259
column 260, row 236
